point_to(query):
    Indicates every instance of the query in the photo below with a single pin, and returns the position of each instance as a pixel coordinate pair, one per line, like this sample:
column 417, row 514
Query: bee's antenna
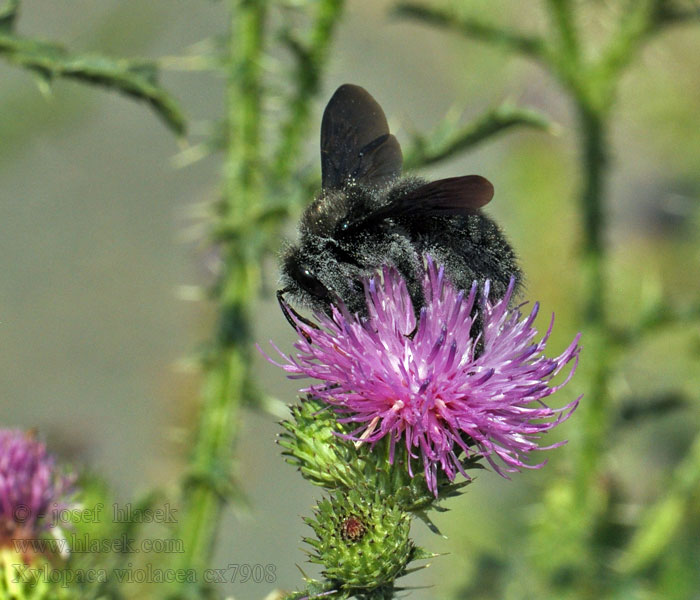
column 288, row 311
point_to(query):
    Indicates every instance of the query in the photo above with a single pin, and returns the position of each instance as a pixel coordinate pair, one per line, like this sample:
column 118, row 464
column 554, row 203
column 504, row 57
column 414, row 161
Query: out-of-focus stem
column 512, row 39
column 592, row 128
column 422, row 153
column 208, row 485
column 593, row 148
column 592, row 99
column 561, row 14
column 310, row 61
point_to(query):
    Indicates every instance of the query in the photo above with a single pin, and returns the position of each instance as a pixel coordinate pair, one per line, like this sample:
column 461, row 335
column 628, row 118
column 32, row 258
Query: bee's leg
column 477, row 332
column 288, row 311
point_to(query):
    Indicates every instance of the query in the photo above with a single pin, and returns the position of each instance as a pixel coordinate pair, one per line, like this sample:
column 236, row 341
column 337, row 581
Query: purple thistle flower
column 434, row 381
column 32, row 491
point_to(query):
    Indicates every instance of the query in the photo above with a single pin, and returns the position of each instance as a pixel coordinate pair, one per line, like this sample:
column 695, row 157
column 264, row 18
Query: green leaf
column 134, row 78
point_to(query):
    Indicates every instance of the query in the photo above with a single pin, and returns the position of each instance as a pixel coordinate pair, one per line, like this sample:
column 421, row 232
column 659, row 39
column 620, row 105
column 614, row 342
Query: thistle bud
column 363, row 545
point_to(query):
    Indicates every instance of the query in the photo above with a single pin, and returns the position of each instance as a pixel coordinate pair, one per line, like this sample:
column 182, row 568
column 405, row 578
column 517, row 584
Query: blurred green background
column 101, row 239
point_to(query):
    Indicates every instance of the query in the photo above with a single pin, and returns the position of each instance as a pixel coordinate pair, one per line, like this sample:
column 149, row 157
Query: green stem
column 594, row 96
column 561, row 13
column 310, row 62
column 209, row 483
column 592, row 135
column 244, row 99
column 592, row 126
column 422, row 153
column 512, row 39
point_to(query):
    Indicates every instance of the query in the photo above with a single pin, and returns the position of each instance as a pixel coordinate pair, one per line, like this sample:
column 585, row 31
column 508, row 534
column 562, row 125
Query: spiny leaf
column 525, row 43
column 448, row 140
column 135, row 78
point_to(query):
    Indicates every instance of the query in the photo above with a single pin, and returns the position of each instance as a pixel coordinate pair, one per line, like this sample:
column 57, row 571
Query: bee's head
column 301, row 278
column 319, row 272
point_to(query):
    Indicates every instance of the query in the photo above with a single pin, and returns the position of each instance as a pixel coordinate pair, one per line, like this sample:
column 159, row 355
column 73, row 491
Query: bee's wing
column 441, row 198
column 355, row 141
column 444, row 197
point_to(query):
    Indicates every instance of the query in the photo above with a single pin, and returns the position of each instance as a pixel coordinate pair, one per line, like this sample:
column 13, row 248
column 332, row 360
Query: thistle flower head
column 31, row 488
column 432, row 381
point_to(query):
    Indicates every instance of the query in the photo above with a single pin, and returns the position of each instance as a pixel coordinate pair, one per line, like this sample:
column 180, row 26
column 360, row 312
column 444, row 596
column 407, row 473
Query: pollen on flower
column 468, row 381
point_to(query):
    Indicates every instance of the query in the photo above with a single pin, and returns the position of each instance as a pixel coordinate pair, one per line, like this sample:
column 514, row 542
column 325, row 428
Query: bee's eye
column 311, row 284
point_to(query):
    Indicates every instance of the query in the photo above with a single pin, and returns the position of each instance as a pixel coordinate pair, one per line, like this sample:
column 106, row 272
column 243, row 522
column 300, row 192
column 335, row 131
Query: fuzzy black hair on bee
column 367, row 215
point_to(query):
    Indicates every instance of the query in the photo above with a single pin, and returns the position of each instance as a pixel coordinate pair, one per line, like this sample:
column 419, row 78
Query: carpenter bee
column 367, row 215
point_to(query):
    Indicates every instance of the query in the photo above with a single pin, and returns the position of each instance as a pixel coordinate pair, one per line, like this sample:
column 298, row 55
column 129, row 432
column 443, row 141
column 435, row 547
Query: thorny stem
column 591, row 84
column 520, row 42
column 593, row 144
column 561, row 14
column 593, row 90
column 421, row 154
column 209, row 483
column 592, row 128
column 310, row 60
column 592, row 99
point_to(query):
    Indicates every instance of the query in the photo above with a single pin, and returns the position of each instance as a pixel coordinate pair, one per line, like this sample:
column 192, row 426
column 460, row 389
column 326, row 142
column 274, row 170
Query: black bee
column 367, row 216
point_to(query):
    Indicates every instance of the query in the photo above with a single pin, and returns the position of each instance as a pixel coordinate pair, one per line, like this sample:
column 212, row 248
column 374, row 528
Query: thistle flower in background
column 32, row 490
column 435, row 383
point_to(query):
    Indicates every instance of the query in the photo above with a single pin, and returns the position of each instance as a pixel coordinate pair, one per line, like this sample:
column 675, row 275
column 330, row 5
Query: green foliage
column 84, row 573
column 8, row 15
column 135, row 78
column 42, row 580
column 475, row 28
column 449, row 139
